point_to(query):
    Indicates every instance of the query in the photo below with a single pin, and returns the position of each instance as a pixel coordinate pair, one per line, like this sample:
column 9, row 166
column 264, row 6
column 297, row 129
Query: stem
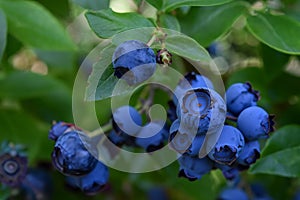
column 149, row 101
column 152, row 40
column 232, row 118
column 101, row 130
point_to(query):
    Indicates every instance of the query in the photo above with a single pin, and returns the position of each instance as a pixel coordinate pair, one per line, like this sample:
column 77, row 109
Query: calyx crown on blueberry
column 134, row 61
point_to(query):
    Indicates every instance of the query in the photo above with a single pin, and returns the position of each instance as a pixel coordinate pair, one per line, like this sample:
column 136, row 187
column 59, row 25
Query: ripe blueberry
column 240, row 96
column 92, row 182
column 233, row 194
column 58, row 128
column 228, row 146
column 194, row 168
column 157, row 136
column 70, row 155
column 134, row 61
column 255, row 123
column 250, row 153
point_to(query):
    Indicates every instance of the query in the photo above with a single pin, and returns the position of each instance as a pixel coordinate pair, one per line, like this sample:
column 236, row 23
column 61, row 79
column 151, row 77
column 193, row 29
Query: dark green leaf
column 19, row 127
column 280, row 156
column 206, row 24
column 285, row 137
column 32, row 24
column 22, row 85
column 61, row 11
column 185, row 46
column 172, row 4
column 157, row 4
column 282, row 163
column 106, row 23
column 272, row 30
column 141, row 34
column 169, row 22
column 93, row 4
column 3, row 32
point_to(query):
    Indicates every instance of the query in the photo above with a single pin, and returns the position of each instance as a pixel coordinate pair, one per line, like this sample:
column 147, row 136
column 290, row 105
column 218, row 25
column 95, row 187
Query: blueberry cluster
column 128, row 130
column 27, row 182
column 237, row 145
column 74, row 157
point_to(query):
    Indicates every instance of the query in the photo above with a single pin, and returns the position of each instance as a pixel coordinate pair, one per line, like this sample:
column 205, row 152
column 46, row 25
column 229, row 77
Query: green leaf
column 285, row 137
column 206, row 24
column 35, row 26
column 3, row 32
column 272, row 30
column 106, row 23
column 283, row 163
column 21, row 128
column 172, row 4
column 187, row 47
column 93, row 4
column 23, row 85
column 280, row 156
column 169, row 22
column 155, row 3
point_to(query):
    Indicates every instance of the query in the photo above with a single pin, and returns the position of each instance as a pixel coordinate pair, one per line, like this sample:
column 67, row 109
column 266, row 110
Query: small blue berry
column 58, row 128
column 157, row 136
column 259, row 192
column 229, row 172
column 228, row 146
column 255, row 123
column 190, row 81
column 92, row 182
column 233, row 194
column 127, row 120
column 134, row 61
column 70, row 155
column 194, row 168
column 240, row 96
column 250, row 153
column 157, row 193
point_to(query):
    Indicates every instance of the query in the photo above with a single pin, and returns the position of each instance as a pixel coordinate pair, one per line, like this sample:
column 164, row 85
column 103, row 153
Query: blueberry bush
column 149, row 99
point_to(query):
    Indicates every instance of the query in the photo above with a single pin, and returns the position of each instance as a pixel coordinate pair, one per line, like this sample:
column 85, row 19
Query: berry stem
column 101, row 130
column 152, row 40
column 232, row 118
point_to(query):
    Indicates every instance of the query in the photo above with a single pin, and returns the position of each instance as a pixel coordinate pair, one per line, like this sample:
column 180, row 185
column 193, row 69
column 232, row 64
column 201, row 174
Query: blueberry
column 194, row 168
column 117, row 139
column 134, row 61
column 58, row 128
column 157, row 193
column 228, row 146
column 240, row 96
column 229, row 172
column 250, row 153
column 154, row 142
column 190, row 81
column 255, row 123
column 202, row 109
column 127, row 120
column 37, row 183
column 92, row 182
column 13, row 164
column 13, row 169
column 259, row 192
column 70, row 155
column 233, row 194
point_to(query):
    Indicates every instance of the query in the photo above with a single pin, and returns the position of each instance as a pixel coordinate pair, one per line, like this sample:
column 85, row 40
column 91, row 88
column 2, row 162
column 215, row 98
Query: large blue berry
column 250, row 153
column 190, row 81
column 255, row 123
column 194, row 168
column 152, row 136
column 240, row 96
column 233, row 194
column 71, row 155
column 134, row 61
column 202, row 109
column 228, row 147
column 92, row 182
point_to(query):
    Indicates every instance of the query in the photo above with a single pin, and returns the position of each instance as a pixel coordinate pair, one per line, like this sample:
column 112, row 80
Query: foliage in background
column 256, row 42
